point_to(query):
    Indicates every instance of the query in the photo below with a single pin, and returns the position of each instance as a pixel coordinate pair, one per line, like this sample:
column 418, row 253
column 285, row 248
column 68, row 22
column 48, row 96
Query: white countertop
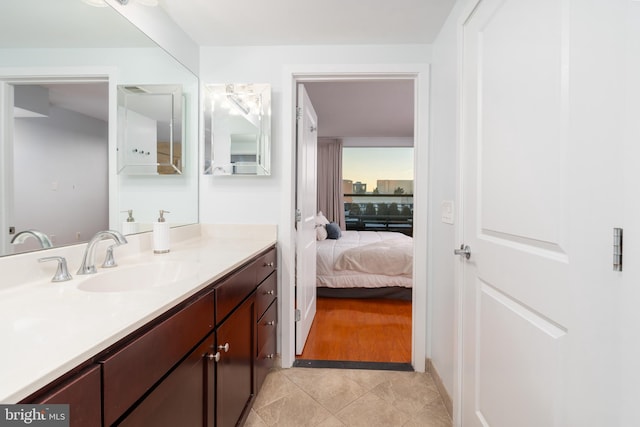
column 47, row 329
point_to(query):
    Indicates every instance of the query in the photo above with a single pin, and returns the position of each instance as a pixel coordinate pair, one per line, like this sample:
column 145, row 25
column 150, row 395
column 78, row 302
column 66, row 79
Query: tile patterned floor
column 300, row 397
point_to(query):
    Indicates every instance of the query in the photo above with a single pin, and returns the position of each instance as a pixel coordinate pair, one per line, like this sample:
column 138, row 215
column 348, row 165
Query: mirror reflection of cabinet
column 237, row 129
column 150, row 139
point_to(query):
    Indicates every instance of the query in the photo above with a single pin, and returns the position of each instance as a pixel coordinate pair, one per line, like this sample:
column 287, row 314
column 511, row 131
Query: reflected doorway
column 55, row 161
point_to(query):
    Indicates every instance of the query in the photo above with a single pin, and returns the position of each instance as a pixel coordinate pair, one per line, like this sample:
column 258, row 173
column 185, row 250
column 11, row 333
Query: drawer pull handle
column 271, row 292
column 270, row 356
column 215, row 357
column 224, row 347
column 268, row 264
column 270, row 323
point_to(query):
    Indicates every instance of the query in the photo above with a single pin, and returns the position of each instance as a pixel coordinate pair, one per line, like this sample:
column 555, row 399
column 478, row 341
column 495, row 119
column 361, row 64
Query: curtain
column 330, row 194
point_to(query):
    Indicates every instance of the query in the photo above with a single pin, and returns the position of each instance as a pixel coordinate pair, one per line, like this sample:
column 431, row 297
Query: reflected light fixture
column 150, row 3
column 238, row 103
column 102, row 3
column 95, row 3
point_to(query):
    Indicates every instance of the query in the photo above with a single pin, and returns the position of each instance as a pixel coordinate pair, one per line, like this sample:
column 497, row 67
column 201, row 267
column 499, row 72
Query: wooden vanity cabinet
column 199, row 364
column 82, row 392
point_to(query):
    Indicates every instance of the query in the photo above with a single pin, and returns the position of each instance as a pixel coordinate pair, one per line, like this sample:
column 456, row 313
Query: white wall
column 226, row 199
column 60, row 170
column 444, row 89
column 269, row 199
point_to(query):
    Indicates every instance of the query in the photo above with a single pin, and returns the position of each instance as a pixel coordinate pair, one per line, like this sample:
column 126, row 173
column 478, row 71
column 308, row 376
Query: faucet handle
column 62, row 273
column 109, row 260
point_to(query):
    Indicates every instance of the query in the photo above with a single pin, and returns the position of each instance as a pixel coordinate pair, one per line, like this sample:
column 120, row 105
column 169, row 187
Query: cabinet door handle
column 224, row 347
column 271, row 292
column 269, row 356
column 268, row 264
column 214, row 357
column 270, row 323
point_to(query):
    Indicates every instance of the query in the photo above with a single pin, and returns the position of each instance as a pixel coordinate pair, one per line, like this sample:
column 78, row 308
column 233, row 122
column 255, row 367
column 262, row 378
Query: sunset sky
column 368, row 165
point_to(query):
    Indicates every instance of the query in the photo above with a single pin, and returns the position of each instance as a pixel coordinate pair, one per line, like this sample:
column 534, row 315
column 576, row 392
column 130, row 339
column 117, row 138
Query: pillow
column 321, row 232
column 333, row 231
column 321, row 219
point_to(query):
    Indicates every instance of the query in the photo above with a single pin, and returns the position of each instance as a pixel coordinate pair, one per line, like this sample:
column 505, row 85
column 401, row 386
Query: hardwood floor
column 363, row 330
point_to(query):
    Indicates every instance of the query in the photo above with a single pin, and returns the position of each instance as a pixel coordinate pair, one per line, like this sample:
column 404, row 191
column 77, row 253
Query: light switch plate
column 446, row 211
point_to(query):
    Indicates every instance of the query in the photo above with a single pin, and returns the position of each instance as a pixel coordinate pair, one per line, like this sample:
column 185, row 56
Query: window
column 378, row 188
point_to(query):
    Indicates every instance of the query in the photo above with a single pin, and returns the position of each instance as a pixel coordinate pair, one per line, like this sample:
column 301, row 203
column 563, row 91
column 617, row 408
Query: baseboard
column 342, row 364
column 446, row 399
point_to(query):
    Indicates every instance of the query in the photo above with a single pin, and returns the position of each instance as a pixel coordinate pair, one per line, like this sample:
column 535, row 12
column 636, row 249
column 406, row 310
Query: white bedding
column 391, row 253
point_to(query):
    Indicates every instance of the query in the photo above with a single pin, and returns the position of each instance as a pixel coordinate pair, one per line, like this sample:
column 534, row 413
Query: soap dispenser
column 161, row 234
column 130, row 226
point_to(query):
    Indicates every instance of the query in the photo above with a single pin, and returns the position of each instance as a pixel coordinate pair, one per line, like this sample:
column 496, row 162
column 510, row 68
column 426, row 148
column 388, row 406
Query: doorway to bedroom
column 365, row 179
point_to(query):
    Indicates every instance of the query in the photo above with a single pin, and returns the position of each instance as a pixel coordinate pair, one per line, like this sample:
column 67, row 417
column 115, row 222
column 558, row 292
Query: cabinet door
column 82, row 394
column 234, row 384
column 130, row 372
column 184, row 397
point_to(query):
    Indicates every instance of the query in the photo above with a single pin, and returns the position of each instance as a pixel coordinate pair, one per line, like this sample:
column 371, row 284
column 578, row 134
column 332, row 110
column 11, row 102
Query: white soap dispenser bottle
column 161, row 234
column 130, row 226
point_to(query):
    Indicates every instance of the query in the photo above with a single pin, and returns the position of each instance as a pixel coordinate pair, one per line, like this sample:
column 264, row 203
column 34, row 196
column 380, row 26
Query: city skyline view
column 368, row 165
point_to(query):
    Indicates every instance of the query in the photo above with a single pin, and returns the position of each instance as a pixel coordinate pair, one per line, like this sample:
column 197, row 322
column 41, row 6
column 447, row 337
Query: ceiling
column 306, row 22
column 345, row 109
column 366, row 108
column 85, row 98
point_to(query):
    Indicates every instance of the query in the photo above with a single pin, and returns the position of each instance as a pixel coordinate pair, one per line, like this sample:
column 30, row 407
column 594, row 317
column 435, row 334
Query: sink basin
column 139, row 277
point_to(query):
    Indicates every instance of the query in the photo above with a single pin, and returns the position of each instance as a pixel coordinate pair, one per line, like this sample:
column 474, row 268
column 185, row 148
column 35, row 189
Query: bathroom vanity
column 197, row 360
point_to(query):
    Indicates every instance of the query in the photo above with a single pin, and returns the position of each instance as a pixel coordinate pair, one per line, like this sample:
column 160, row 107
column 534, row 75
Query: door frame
column 294, row 74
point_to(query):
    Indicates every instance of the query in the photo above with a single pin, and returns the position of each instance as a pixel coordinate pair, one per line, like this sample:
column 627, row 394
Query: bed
column 365, row 264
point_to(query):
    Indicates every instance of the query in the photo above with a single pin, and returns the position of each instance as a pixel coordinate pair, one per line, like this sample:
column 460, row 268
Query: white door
column 538, row 210
column 307, row 140
column 629, row 297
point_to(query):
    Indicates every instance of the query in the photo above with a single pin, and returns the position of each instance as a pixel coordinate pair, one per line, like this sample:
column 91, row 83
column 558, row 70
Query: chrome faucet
column 88, row 260
column 42, row 238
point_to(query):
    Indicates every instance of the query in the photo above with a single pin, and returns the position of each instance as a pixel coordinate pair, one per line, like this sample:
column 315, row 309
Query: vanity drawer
column 130, row 372
column 82, row 394
column 265, row 265
column 232, row 291
column 264, row 362
column 266, row 293
column 267, row 325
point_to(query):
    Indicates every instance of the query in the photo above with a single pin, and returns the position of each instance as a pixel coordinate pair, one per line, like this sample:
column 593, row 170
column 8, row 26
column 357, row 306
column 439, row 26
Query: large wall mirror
column 237, row 119
column 61, row 63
